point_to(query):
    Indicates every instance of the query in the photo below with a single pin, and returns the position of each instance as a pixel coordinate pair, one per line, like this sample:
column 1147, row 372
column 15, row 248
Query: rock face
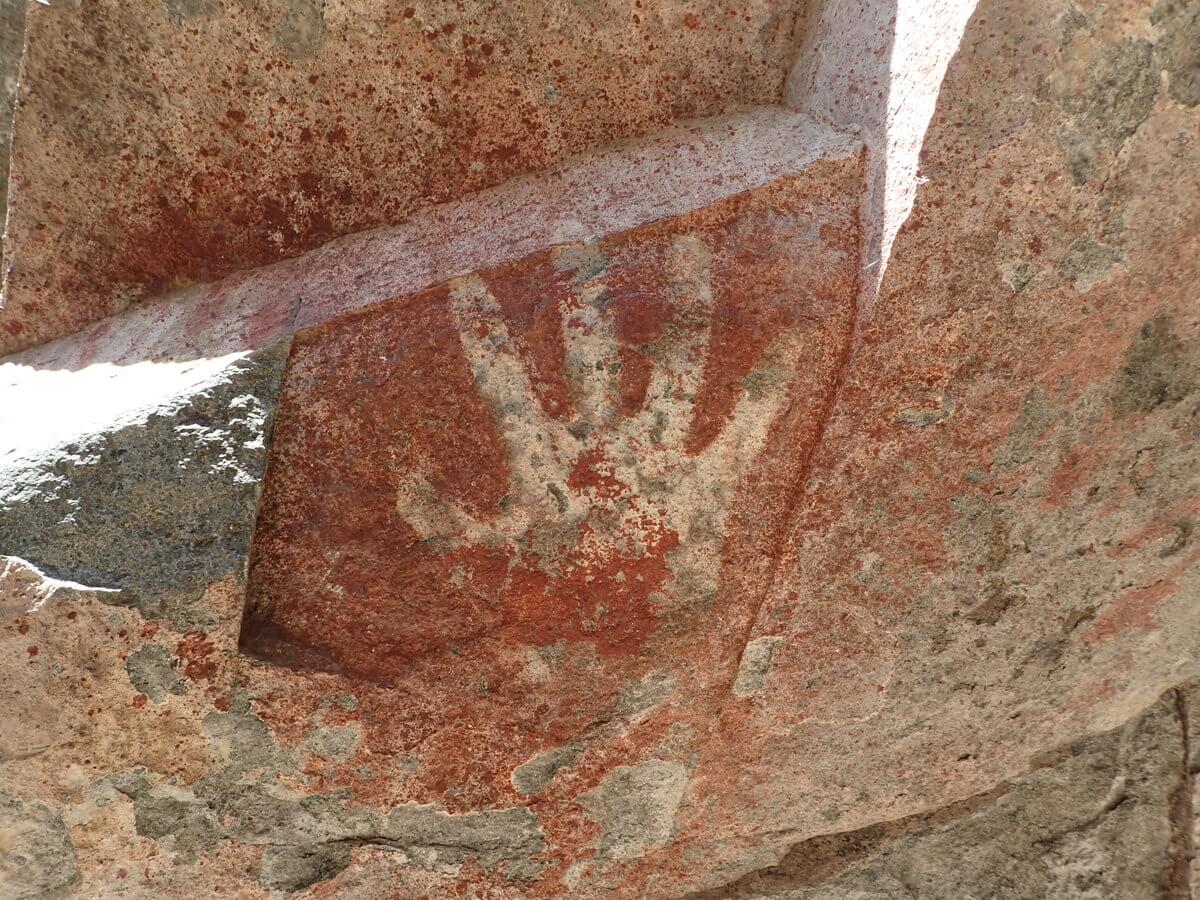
column 166, row 142
column 1093, row 819
column 687, row 519
column 561, row 451
column 156, row 510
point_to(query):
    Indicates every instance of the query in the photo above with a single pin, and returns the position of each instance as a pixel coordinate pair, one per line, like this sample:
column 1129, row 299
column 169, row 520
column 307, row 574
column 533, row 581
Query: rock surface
column 1093, row 819
column 165, row 142
column 631, row 530
column 159, row 509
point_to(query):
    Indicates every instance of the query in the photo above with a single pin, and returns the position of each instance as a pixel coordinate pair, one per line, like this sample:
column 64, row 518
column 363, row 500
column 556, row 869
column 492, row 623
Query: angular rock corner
column 607, row 450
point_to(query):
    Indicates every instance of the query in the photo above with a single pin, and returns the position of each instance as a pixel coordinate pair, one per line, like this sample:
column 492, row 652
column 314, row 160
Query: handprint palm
column 607, row 486
column 551, row 450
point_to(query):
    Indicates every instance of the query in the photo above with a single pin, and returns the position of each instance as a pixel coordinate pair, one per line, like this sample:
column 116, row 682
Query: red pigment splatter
column 593, row 470
column 195, row 651
column 1135, row 608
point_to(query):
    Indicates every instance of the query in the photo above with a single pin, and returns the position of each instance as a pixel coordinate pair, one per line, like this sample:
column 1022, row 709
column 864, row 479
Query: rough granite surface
column 156, row 510
column 12, row 41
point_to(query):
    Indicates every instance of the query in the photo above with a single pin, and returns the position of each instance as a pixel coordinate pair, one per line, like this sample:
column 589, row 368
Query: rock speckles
column 155, row 672
column 157, row 510
column 295, row 122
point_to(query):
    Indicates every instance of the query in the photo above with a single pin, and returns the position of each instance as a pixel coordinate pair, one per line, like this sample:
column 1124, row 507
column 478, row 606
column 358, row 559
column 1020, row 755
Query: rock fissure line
column 1182, row 813
column 845, row 357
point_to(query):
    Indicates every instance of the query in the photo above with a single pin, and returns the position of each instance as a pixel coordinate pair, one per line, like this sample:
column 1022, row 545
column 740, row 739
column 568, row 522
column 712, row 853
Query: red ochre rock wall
column 162, row 144
column 650, row 565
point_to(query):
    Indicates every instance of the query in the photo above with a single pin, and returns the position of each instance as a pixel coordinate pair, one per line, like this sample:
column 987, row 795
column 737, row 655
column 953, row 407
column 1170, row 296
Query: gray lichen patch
column 12, row 34
column 923, row 417
column 37, row 858
column 1156, row 370
column 264, row 813
column 641, row 696
column 190, row 824
column 1120, row 89
column 1033, row 418
column 1088, row 263
column 296, row 868
column 181, row 11
column 1017, row 274
column 1178, row 48
column 633, row 704
column 332, row 741
column 1115, row 98
column 534, row 776
column 302, row 28
column 163, row 812
column 160, row 508
column 506, row 839
column 155, row 672
column 246, row 744
column 755, row 665
column 636, row 806
column 304, row 831
column 983, row 529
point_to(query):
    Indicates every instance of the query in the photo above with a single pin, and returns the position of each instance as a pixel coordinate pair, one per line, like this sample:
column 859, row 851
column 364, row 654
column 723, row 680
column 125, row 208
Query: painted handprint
column 573, row 448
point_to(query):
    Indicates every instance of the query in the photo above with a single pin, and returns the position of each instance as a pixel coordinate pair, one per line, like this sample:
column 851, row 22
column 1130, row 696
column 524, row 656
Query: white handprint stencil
column 566, row 448
column 630, row 482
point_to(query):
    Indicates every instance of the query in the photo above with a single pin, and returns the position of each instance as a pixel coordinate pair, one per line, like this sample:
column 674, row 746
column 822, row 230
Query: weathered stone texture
column 157, row 510
column 38, row 861
column 165, row 143
column 1018, row 568
column 644, row 557
column 1092, row 820
column 12, row 41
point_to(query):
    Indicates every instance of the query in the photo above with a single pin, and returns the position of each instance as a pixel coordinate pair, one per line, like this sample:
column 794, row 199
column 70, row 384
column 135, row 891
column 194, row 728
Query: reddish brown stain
column 593, row 471
column 1135, row 608
column 531, row 297
column 195, row 651
column 390, row 127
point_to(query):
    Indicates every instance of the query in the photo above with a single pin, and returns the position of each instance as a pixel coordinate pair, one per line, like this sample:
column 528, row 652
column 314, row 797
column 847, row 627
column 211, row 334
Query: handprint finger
column 592, row 353
column 765, row 391
column 537, row 445
column 434, row 518
column 680, row 352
